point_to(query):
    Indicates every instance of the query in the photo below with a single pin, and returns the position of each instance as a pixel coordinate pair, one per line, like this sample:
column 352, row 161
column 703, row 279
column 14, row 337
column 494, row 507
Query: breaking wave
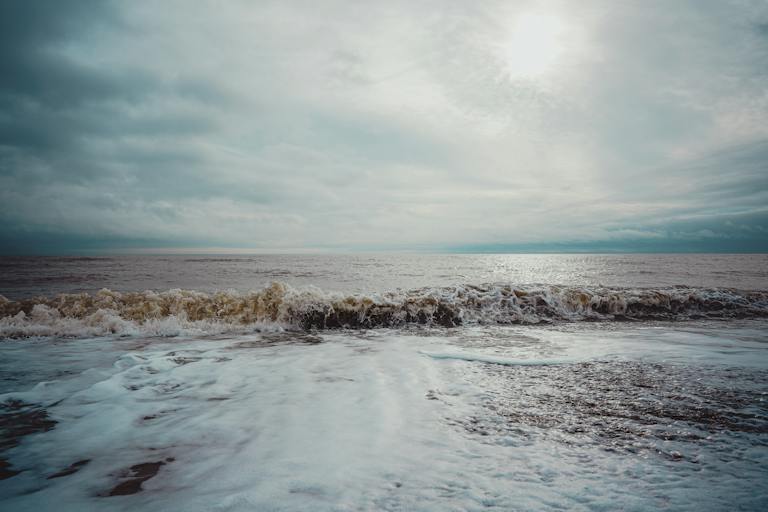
column 280, row 306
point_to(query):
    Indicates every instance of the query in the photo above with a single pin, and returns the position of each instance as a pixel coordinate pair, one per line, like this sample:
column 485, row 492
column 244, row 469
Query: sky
column 383, row 126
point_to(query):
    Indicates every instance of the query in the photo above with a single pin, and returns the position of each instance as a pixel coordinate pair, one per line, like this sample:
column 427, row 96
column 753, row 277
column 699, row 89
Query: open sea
column 396, row 382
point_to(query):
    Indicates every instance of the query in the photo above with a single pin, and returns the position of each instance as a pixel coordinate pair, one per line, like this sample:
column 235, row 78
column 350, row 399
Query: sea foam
column 280, row 306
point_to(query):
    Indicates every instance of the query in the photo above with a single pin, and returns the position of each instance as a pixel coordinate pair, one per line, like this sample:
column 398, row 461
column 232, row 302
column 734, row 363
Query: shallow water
column 576, row 417
column 616, row 382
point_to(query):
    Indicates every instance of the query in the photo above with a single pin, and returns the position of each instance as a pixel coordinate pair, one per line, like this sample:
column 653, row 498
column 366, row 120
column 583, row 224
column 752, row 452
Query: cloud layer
column 372, row 126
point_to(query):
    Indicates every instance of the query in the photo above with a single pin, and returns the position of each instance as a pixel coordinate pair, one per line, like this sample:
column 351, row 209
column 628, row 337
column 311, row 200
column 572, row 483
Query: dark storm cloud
column 37, row 86
column 29, row 65
column 67, row 123
column 50, row 100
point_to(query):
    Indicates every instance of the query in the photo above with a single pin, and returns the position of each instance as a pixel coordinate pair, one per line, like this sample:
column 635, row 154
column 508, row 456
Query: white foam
column 347, row 424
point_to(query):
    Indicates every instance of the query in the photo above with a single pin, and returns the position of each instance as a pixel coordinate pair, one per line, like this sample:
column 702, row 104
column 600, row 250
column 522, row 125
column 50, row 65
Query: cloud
column 286, row 125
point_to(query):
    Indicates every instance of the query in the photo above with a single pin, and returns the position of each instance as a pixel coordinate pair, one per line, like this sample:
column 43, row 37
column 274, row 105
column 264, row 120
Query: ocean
column 384, row 382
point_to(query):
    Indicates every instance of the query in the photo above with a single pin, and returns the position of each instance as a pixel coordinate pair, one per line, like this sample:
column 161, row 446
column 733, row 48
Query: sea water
column 384, row 382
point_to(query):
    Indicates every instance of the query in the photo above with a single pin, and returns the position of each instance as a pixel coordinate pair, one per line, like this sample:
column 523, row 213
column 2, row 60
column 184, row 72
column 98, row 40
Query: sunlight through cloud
column 535, row 43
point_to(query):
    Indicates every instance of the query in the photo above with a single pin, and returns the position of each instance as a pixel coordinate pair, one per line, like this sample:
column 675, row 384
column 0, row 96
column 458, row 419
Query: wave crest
column 176, row 312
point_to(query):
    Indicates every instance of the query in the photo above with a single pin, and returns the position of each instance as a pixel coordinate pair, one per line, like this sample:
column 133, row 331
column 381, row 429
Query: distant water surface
column 365, row 273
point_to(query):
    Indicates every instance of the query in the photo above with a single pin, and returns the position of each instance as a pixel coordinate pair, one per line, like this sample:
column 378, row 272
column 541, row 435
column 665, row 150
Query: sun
column 533, row 46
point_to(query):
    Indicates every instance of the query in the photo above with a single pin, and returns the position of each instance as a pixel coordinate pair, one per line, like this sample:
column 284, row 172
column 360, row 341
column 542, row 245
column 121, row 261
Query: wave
column 281, row 306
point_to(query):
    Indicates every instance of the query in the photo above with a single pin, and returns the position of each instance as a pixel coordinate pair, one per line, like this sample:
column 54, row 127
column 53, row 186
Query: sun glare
column 533, row 46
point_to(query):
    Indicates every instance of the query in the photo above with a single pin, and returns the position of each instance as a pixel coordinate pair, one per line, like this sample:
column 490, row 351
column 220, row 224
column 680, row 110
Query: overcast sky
column 468, row 126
